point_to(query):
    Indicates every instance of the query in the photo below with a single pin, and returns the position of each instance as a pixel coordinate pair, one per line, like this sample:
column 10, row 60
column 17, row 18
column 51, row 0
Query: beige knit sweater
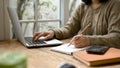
column 105, row 24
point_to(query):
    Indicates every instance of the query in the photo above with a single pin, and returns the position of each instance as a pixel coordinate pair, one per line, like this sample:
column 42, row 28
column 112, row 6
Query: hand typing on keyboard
column 42, row 38
column 47, row 34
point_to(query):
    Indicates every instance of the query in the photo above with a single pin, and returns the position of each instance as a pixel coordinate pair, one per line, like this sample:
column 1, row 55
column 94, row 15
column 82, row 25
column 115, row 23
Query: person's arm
column 72, row 27
column 113, row 36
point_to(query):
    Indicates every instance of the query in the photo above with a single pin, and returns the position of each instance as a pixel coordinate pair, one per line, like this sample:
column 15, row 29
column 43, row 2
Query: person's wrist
column 88, row 41
column 52, row 33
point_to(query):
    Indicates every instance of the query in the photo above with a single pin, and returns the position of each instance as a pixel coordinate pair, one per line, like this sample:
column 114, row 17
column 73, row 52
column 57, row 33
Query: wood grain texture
column 43, row 57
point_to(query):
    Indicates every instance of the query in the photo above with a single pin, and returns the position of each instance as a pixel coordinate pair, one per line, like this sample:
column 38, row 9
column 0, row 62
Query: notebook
column 111, row 56
column 27, row 41
column 64, row 48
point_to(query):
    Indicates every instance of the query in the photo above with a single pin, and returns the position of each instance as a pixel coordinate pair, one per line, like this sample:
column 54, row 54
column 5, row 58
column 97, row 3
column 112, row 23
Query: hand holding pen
column 80, row 40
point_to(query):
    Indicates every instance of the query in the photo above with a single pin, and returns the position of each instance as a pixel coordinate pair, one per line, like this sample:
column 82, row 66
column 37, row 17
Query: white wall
column 5, row 33
column 64, row 11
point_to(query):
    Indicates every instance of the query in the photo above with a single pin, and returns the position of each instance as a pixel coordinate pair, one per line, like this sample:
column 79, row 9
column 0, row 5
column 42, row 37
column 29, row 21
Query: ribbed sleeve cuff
column 56, row 33
column 95, row 40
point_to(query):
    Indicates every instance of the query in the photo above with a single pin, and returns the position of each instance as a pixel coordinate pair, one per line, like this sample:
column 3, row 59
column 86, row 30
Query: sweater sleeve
column 113, row 36
column 72, row 26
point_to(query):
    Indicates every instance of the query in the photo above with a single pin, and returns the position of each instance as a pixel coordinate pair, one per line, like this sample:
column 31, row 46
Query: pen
column 82, row 32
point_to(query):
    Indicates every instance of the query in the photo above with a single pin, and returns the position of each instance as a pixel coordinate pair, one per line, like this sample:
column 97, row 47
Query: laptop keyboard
column 29, row 41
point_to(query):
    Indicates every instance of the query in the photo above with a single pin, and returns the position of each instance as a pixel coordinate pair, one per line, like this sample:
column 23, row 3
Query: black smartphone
column 97, row 49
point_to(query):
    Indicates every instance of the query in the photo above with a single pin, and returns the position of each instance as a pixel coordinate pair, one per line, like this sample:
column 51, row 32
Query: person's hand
column 47, row 34
column 80, row 41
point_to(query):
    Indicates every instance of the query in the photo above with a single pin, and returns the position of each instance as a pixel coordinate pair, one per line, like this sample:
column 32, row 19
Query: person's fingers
column 72, row 40
column 78, row 41
column 35, row 35
column 39, row 35
column 83, row 41
column 75, row 38
column 48, row 37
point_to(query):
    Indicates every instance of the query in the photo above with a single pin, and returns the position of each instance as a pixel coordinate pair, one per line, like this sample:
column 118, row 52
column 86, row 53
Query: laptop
column 27, row 41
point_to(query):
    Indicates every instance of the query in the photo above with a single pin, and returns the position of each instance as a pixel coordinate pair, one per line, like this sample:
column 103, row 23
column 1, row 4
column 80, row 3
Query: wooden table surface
column 44, row 58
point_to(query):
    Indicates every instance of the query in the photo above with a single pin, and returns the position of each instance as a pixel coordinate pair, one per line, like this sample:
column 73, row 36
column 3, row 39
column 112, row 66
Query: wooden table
column 43, row 57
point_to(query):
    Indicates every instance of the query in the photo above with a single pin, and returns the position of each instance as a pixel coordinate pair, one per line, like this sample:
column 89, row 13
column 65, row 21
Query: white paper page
column 64, row 48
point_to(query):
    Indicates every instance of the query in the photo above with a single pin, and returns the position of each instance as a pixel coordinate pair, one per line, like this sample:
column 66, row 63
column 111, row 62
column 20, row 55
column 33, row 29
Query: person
column 104, row 16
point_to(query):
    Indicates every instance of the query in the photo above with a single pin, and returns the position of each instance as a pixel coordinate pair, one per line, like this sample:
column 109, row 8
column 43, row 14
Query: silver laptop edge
column 19, row 33
column 16, row 25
